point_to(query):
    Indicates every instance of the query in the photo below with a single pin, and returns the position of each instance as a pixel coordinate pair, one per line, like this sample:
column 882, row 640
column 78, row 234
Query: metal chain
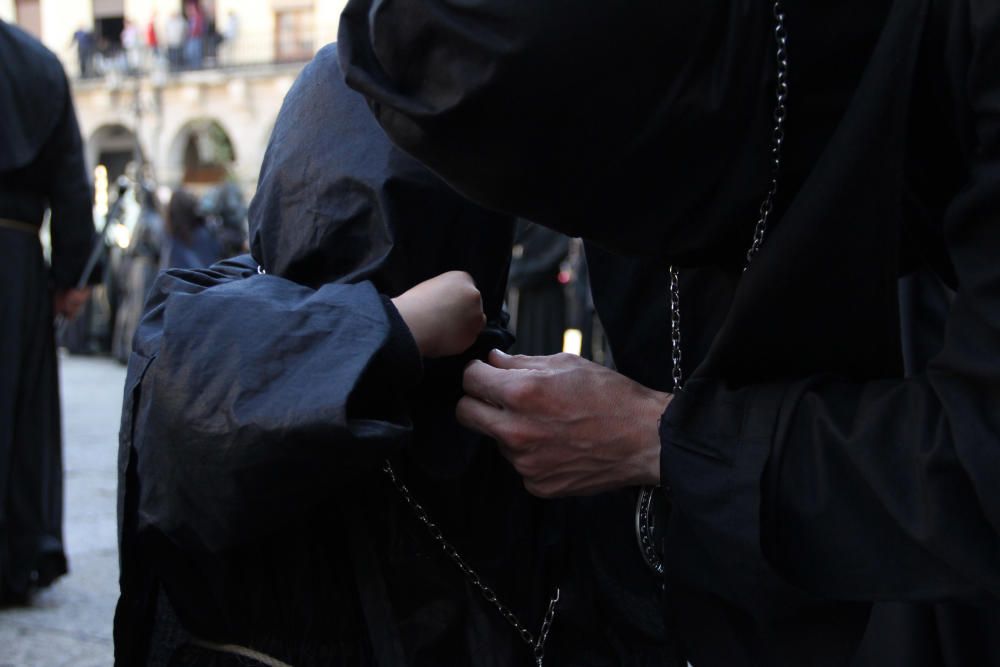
column 675, row 327
column 643, row 512
column 777, row 133
column 644, row 529
column 537, row 645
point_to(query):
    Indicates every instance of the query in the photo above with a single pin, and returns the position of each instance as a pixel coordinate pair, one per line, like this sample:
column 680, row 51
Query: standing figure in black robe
column 535, row 296
column 809, row 477
column 41, row 168
column 264, row 396
column 191, row 244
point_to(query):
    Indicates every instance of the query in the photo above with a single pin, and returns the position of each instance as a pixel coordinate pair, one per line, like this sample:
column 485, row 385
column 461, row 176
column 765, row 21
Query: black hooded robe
column 41, row 168
column 809, row 478
column 259, row 409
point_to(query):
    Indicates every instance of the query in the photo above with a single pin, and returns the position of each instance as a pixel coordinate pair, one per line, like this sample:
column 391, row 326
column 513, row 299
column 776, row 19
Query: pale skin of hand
column 444, row 314
column 569, row 426
column 68, row 303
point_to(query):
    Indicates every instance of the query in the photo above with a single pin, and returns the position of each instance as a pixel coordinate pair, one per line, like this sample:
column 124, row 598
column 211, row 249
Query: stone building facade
column 192, row 123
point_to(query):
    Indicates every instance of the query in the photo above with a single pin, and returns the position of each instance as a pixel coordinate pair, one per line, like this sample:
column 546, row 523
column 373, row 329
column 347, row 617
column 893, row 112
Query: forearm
column 262, row 393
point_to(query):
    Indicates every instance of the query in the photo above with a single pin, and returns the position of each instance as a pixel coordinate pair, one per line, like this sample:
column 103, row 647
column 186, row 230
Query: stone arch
column 203, row 151
column 114, row 145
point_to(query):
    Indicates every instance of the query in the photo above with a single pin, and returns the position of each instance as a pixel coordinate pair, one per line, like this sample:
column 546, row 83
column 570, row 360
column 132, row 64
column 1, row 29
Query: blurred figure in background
column 152, row 39
column 225, row 211
column 537, row 289
column 175, row 33
column 130, row 45
column 190, row 242
column 85, row 47
column 230, row 32
column 41, row 168
column 194, row 47
column 138, row 252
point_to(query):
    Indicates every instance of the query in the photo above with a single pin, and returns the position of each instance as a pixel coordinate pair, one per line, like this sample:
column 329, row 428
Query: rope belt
column 242, row 651
column 23, row 227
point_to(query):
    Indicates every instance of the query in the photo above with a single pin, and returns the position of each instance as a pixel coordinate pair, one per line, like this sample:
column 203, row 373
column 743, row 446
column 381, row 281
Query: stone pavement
column 69, row 624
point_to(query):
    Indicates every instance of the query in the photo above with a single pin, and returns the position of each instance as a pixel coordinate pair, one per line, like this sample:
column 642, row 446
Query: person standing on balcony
column 176, row 33
column 152, row 39
column 41, row 168
column 194, row 48
column 84, row 40
column 130, row 44
column 230, row 33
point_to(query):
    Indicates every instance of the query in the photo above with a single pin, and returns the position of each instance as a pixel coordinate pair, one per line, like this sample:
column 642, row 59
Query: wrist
column 406, row 314
column 647, row 458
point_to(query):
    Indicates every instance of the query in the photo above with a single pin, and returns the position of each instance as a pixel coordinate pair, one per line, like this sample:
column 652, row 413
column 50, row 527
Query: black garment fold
column 260, row 408
column 41, row 168
column 809, row 477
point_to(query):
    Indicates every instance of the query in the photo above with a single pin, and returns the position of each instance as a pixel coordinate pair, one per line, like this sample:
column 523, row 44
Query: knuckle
column 539, row 490
column 462, row 410
column 473, row 296
column 565, row 358
column 523, row 391
column 527, row 465
column 514, row 438
column 517, row 438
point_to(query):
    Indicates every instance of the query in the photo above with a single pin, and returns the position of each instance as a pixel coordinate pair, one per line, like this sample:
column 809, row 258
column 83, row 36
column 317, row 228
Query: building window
column 293, row 34
column 109, row 21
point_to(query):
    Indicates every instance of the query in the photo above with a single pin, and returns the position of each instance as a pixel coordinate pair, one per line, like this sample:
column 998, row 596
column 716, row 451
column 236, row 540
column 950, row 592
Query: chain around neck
column 644, row 503
column 766, row 206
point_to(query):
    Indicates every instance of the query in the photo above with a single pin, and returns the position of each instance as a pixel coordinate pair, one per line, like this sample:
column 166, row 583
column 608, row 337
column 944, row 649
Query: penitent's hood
column 337, row 202
column 641, row 125
column 33, row 95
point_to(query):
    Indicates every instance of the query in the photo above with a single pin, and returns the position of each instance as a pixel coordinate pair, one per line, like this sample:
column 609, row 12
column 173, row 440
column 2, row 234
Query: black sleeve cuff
column 716, row 444
column 401, row 348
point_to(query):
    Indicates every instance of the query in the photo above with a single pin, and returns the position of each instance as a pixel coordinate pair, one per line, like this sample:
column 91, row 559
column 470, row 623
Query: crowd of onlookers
column 184, row 41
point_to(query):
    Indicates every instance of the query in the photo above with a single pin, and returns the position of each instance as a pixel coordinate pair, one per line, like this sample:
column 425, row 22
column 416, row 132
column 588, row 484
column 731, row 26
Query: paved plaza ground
column 69, row 624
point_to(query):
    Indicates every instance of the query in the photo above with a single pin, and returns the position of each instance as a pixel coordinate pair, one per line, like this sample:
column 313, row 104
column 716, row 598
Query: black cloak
column 809, row 477
column 41, row 168
column 259, row 409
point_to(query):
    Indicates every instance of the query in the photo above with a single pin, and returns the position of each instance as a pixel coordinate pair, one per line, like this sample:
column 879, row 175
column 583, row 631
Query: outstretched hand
column 569, row 426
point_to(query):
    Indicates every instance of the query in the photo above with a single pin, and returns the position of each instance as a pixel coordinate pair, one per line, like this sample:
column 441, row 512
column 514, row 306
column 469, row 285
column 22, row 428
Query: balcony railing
column 247, row 50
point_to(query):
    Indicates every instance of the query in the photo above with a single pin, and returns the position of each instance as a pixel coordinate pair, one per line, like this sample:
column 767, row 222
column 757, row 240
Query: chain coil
column 537, row 645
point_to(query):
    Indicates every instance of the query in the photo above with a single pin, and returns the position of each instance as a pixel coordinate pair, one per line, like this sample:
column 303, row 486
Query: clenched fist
column 444, row 314
column 68, row 303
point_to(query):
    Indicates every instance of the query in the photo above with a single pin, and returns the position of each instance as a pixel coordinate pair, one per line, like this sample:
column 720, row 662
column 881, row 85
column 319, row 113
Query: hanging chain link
column 643, row 509
column 676, row 354
column 537, row 645
column 777, row 133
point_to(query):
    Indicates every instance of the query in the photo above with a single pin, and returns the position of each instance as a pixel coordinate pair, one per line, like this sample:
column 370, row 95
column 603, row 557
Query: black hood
column 33, row 96
column 337, row 202
column 641, row 125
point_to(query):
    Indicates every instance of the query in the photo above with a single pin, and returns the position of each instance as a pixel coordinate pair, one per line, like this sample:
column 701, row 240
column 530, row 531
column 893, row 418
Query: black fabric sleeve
column 69, row 196
column 261, row 395
column 886, row 490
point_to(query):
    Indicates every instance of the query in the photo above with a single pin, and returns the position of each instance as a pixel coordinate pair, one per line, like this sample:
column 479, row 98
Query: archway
column 114, row 146
column 202, row 153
